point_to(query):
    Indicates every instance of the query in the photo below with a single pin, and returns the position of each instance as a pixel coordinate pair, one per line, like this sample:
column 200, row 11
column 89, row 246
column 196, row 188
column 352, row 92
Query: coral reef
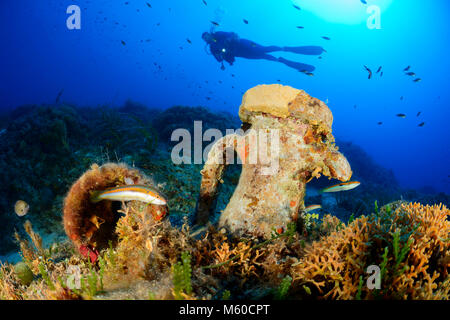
column 268, row 198
column 35, row 151
column 154, row 260
column 323, row 256
column 145, row 263
column 409, row 243
column 43, row 149
column 41, row 175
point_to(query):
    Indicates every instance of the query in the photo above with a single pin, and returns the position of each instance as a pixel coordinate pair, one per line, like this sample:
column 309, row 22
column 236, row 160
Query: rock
column 296, row 128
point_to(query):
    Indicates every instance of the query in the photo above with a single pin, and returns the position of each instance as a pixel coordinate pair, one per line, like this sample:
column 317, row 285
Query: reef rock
column 288, row 143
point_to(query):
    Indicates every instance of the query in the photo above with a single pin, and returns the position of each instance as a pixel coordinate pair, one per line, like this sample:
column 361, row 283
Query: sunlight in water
column 342, row 11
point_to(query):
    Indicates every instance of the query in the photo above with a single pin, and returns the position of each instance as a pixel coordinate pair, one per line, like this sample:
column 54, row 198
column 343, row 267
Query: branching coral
column 409, row 244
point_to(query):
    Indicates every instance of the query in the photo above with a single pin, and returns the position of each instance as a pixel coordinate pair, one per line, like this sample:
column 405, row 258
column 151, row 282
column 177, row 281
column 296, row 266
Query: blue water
column 39, row 57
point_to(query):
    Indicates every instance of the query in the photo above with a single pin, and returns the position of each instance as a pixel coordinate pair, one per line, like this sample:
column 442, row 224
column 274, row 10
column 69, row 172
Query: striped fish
column 142, row 193
column 312, row 207
column 342, row 186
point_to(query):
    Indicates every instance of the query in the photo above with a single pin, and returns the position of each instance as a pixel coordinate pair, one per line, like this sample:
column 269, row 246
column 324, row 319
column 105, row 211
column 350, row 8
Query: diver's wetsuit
column 225, row 46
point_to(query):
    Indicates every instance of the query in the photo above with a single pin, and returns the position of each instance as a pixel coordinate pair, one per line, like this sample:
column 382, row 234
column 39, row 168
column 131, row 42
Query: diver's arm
column 216, row 51
column 218, row 56
column 230, row 59
column 222, row 48
column 228, row 52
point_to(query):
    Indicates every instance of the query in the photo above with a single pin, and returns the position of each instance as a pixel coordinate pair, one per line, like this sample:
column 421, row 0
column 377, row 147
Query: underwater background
column 137, row 70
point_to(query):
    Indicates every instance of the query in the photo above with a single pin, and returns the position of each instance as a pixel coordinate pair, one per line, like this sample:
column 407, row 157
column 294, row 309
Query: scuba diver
column 226, row 46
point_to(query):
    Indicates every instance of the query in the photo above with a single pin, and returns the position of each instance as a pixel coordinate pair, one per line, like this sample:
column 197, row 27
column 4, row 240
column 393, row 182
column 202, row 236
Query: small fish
column 300, row 27
column 369, row 71
column 407, row 68
column 148, row 5
column 312, row 207
column 417, row 80
column 245, row 21
column 381, row 74
column 380, row 123
column 418, row 113
column 215, row 23
column 142, row 193
column 401, row 98
column 204, row 2
column 401, row 115
column 21, row 208
column 421, row 124
column 296, row 7
column 379, row 69
column 326, row 38
column 189, row 41
column 364, row 1
column 344, row 186
column 412, row 74
column 59, row 96
column 123, row 42
column 310, row 74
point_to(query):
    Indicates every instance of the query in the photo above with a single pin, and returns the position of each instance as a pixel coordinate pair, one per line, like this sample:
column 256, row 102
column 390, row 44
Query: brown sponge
column 92, row 225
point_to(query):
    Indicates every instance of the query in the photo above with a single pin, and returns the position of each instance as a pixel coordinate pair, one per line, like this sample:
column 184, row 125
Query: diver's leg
column 292, row 64
column 267, row 57
column 270, row 48
column 308, row 50
column 297, row 65
column 248, row 48
column 252, row 48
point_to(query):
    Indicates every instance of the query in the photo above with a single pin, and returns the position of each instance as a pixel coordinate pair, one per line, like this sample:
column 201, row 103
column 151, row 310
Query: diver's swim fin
column 297, row 65
column 309, row 50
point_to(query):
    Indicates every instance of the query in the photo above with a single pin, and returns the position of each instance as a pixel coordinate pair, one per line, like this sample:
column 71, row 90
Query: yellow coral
column 334, row 264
